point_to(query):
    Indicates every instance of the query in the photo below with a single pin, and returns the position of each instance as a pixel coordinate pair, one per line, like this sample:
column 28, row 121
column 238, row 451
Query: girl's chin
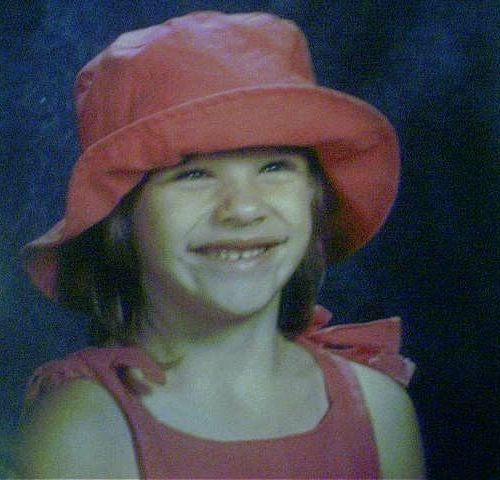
column 241, row 309
column 244, row 301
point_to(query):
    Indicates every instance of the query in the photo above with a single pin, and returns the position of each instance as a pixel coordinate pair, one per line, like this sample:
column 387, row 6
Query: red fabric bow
column 375, row 344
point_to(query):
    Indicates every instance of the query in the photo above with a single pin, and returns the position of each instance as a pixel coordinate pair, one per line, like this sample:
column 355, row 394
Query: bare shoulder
column 77, row 431
column 394, row 422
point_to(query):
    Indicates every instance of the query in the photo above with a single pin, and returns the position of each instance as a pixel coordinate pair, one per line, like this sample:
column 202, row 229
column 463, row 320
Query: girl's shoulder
column 72, row 431
column 372, row 351
column 72, row 423
column 394, row 422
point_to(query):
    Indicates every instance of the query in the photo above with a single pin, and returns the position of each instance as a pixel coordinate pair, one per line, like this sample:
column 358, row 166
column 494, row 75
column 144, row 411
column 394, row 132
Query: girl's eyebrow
column 186, row 159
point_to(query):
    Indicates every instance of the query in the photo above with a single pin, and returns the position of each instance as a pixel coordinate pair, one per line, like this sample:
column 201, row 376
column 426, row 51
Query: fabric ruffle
column 375, row 344
column 92, row 364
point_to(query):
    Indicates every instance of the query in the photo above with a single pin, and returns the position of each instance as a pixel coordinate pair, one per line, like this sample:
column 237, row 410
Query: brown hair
column 99, row 270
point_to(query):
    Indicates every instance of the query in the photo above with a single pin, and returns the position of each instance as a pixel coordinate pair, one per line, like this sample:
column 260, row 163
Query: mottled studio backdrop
column 431, row 66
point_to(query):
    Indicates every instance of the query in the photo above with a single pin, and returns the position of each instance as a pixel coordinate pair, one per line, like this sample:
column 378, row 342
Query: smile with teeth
column 237, row 251
column 229, row 255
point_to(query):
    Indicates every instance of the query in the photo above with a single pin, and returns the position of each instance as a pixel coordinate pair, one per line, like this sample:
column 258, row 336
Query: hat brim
column 357, row 145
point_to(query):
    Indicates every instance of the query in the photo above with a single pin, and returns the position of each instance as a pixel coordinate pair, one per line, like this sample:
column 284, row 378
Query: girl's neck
column 204, row 348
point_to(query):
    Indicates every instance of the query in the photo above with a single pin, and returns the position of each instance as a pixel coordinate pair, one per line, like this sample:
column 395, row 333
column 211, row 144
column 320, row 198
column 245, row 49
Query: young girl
column 217, row 179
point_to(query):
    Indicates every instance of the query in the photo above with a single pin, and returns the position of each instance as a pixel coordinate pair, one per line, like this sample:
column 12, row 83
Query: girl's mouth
column 230, row 255
column 237, row 251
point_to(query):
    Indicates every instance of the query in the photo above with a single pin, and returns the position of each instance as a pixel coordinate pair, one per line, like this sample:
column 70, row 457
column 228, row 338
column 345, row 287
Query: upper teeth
column 235, row 255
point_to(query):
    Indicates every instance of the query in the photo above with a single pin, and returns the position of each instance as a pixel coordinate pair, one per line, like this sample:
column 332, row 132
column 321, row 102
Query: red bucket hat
column 209, row 82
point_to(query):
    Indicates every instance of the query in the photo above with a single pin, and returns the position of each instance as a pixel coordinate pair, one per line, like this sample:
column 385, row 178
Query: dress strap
column 98, row 364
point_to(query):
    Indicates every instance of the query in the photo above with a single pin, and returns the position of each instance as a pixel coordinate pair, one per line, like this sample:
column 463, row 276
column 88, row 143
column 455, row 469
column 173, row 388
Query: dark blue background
column 431, row 66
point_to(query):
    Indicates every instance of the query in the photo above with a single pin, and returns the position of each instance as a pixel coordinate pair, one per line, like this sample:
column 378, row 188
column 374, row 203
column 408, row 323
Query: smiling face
column 227, row 230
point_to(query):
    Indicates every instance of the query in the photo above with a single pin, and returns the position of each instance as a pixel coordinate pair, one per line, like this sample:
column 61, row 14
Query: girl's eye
column 278, row 166
column 192, row 175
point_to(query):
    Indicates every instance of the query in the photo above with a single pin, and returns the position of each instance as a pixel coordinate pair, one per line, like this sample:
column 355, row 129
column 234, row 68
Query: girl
column 217, row 179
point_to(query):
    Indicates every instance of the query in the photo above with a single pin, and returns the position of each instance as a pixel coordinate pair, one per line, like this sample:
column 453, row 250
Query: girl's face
column 228, row 229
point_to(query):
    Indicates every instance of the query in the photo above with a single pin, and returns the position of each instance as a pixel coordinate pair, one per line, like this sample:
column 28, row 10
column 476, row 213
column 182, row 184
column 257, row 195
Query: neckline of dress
column 327, row 366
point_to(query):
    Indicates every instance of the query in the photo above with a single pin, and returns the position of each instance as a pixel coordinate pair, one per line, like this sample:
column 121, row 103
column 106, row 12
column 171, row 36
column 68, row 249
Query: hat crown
column 184, row 59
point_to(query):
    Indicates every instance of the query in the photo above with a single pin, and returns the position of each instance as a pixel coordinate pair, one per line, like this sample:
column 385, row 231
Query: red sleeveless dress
column 342, row 445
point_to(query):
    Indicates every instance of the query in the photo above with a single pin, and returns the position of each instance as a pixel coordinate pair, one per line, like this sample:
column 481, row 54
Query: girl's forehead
column 248, row 154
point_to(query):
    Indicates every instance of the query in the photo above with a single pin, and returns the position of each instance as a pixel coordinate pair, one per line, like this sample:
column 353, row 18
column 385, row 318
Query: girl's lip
column 237, row 245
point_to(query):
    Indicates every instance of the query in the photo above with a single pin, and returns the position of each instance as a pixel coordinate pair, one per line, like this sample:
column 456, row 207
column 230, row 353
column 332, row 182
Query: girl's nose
column 240, row 206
